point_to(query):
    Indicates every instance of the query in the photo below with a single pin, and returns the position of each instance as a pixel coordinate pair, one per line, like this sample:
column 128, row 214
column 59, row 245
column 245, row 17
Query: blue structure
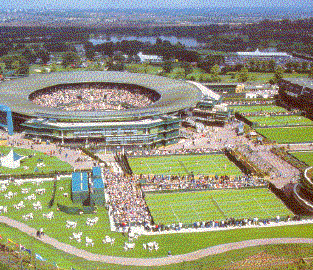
column 97, row 187
column 96, row 172
column 9, row 121
column 80, row 190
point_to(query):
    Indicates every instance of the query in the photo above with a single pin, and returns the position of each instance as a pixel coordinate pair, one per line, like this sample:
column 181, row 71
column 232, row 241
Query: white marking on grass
column 174, row 213
column 261, row 206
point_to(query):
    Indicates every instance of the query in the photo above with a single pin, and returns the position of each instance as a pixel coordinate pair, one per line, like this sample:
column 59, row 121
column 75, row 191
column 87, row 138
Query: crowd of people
column 126, row 203
column 266, row 113
column 229, row 222
column 164, row 152
column 85, row 97
column 189, row 182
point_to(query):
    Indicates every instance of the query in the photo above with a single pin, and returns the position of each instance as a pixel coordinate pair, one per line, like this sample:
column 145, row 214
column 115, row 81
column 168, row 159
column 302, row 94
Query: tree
column 167, row 66
column 9, row 60
column 44, row 56
column 215, row 70
column 187, row 68
column 311, row 73
column 29, row 56
column 89, row 50
column 70, row 58
column 243, row 75
column 278, row 75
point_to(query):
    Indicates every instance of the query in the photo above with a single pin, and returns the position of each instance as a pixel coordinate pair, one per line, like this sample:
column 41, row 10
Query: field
column 184, row 164
column 29, row 164
column 288, row 134
column 280, row 120
column 174, row 242
column 214, row 205
column 305, row 156
column 257, row 109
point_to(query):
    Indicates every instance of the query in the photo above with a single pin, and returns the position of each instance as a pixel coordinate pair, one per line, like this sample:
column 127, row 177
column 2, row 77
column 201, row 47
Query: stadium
column 152, row 125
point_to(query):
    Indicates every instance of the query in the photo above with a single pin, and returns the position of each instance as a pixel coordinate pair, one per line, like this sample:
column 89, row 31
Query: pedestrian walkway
column 153, row 261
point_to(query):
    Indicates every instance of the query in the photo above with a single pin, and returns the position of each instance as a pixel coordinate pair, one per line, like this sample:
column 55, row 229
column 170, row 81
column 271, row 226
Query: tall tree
column 215, row 70
column 167, row 66
column 279, row 74
column 70, row 58
column 243, row 75
column 187, row 68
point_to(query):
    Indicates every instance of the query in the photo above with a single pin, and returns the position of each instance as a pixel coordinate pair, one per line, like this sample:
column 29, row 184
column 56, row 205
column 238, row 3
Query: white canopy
column 11, row 160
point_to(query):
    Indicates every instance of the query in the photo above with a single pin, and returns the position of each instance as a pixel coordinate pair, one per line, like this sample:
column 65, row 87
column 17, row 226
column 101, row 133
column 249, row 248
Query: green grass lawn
column 257, row 109
column 305, row 156
column 288, row 134
column 190, row 207
column 280, row 120
column 28, row 164
column 184, row 164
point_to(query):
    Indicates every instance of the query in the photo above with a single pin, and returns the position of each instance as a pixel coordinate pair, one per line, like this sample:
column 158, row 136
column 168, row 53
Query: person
column 38, row 234
column 41, row 232
column 169, row 253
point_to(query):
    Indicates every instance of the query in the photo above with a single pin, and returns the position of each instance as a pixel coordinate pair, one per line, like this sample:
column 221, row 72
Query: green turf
column 257, row 109
column 280, row 120
column 305, row 156
column 184, row 164
column 189, row 207
column 288, row 134
column 28, row 164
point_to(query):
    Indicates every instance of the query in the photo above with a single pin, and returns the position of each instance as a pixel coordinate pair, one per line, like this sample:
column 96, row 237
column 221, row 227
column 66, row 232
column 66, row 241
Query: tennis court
column 184, row 164
column 189, row 207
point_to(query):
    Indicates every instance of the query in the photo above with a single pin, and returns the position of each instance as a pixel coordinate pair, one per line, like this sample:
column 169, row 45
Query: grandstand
column 297, row 93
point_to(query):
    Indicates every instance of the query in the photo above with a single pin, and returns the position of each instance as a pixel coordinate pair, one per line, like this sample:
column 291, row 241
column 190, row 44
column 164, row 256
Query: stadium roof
column 176, row 95
column 257, row 53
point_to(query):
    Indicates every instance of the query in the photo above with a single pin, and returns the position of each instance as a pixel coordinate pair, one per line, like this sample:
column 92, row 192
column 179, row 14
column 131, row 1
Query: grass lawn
column 184, row 164
column 288, row 134
column 305, row 156
column 177, row 244
column 257, row 109
column 28, row 164
column 190, row 207
column 280, row 120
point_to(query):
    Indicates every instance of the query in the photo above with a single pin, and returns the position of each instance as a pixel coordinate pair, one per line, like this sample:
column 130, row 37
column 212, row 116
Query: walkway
column 153, row 261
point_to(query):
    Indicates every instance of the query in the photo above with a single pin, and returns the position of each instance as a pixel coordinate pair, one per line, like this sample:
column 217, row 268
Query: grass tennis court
column 288, row 134
column 286, row 120
column 257, row 108
column 184, row 164
column 189, row 207
column 305, row 156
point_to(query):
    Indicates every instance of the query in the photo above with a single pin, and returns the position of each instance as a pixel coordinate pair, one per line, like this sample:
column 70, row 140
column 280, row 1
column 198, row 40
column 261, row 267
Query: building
column 297, row 93
column 97, row 187
column 80, row 190
column 153, row 59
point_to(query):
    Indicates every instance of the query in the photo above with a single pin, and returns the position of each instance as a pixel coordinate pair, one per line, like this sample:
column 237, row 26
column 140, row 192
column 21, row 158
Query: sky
column 85, row 4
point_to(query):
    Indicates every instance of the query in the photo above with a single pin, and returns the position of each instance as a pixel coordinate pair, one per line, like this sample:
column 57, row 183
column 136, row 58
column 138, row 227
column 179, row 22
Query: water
column 188, row 42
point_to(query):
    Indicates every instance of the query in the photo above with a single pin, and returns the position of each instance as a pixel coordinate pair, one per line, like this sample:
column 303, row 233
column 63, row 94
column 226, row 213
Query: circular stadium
column 152, row 123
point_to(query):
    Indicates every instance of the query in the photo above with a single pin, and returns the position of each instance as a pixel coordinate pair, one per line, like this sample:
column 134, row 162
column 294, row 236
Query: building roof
column 96, row 171
column 79, row 181
column 258, row 53
column 306, row 82
column 98, row 183
column 175, row 95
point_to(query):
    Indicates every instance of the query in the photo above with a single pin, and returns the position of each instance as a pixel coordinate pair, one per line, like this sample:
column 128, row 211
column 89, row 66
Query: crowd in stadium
column 127, row 205
column 229, row 222
column 93, row 97
column 175, row 182
column 164, row 152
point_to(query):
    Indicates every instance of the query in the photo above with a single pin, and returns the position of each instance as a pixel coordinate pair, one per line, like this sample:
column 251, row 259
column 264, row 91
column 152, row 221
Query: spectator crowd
column 92, row 97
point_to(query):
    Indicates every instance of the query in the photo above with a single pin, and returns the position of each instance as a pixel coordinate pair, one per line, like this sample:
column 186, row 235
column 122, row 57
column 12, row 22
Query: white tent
column 11, row 160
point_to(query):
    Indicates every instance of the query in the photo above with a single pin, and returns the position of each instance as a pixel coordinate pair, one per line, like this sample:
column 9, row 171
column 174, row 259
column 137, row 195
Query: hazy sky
column 150, row 3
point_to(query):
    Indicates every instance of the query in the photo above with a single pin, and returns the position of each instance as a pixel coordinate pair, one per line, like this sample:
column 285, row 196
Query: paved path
column 152, row 261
